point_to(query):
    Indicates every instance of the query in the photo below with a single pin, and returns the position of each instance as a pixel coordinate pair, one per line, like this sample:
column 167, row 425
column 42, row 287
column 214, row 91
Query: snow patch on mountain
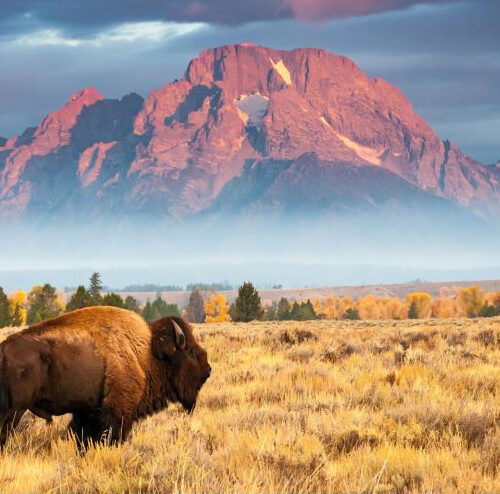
column 252, row 108
column 364, row 152
column 282, row 70
column 91, row 161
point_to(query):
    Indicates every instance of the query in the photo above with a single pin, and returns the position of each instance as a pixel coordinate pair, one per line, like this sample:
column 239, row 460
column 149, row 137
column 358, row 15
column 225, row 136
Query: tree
column 270, row 312
column 443, row 308
column 351, row 314
column 113, row 300
column 488, row 310
column 80, row 299
column 43, row 304
column 5, row 315
column 470, row 300
column 343, row 304
column 95, row 288
column 283, row 310
column 330, row 307
column 369, row 308
column 18, row 316
column 158, row 309
column 195, row 310
column 319, row 308
column 149, row 313
column 413, row 310
column 216, row 309
column 423, row 302
column 247, row 305
column 17, row 302
column 132, row 303
column 303, row 311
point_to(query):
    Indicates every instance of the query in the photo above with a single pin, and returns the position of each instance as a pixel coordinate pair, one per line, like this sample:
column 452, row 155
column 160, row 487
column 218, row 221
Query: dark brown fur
column 104, row 365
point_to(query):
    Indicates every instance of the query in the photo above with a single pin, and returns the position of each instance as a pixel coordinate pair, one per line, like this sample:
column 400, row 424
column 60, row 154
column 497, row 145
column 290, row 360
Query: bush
column 351, row 314
column 488, row 311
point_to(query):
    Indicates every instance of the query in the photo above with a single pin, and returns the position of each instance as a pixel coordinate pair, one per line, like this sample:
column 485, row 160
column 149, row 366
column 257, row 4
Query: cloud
column 321, row 10
column 153, row 31
column 83, row 17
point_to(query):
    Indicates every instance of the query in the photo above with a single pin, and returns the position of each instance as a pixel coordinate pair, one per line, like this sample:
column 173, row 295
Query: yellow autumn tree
column 319, row 308
column 217, row 309
column 470, row 300
column 423, row 302
column 443, row 307
column 396, row 309
column 17, row 303
column 368, row 307
column 493, row 298
column 344, row 303
column 330, row 307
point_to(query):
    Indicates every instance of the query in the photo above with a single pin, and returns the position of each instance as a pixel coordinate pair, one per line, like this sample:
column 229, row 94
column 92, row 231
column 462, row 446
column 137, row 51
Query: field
column 328, row 406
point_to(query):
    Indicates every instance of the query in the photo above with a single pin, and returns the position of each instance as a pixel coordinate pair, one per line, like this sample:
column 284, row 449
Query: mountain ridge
column 177, row 152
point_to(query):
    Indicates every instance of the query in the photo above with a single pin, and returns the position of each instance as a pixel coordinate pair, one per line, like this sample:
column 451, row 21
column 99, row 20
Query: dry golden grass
column 328, row 406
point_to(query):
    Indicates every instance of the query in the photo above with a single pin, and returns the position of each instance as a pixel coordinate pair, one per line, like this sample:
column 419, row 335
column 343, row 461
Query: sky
column 443, row 54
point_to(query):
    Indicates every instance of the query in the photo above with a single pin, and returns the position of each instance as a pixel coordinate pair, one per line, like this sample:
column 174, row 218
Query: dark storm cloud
column 84, row 17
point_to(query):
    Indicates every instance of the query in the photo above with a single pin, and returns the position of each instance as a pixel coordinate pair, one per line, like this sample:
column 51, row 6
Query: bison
column 106, row 366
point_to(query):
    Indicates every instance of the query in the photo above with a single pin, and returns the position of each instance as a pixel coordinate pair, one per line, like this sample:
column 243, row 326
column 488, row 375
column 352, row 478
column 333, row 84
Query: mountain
column 248, row 129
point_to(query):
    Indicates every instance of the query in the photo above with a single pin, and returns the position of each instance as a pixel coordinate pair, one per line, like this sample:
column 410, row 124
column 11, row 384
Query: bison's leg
column 9, row 424
column 87, row 429
column 116, row 425
column 123, row 390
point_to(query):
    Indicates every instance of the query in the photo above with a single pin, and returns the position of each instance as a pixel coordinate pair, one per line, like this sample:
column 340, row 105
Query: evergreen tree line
column 43, row 302
column 91, row 296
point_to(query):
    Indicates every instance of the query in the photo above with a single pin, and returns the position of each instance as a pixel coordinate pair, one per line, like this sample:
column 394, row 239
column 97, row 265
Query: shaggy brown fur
column 106, row 366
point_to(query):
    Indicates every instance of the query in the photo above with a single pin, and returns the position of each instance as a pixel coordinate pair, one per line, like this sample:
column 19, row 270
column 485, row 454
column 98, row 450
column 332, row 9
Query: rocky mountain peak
column 238, row 106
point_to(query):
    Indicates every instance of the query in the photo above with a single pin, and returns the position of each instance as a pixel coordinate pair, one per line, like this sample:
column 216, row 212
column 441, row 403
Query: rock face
column 247, row 126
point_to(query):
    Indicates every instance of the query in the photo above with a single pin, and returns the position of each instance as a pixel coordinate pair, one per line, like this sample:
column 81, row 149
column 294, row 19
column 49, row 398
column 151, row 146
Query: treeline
column 468, row 302
column 44, row 302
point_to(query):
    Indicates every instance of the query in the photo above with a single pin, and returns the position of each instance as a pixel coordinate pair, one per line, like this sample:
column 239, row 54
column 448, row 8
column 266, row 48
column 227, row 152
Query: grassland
column 329, row 406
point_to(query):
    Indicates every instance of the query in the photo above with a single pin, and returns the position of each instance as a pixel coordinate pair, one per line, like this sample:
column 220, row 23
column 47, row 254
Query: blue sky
column 443, row 54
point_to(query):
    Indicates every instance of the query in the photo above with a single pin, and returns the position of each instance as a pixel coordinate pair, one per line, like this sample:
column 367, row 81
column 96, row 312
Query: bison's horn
column 180, row 339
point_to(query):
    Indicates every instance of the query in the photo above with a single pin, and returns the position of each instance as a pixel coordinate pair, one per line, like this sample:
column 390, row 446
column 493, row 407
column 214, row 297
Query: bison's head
column 187, row 366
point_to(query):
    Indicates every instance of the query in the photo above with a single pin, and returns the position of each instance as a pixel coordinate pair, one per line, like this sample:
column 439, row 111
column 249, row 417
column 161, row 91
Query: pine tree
column 132, row 303
column 247, row 305
column 413, row 310
column 80, row 299
column 42, row 304
column 5, row 316
column 303, row 311
column 149, row 313
column 113, row 300
column 195, row 310
column 95, row 288
column 283, row 310
column 270, row 312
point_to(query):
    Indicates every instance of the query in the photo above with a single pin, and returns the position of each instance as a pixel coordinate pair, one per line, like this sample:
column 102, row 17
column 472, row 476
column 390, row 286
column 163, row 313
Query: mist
column 293, row 250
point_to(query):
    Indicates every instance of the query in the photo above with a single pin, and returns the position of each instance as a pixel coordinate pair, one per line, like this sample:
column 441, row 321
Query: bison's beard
column 187, row 404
